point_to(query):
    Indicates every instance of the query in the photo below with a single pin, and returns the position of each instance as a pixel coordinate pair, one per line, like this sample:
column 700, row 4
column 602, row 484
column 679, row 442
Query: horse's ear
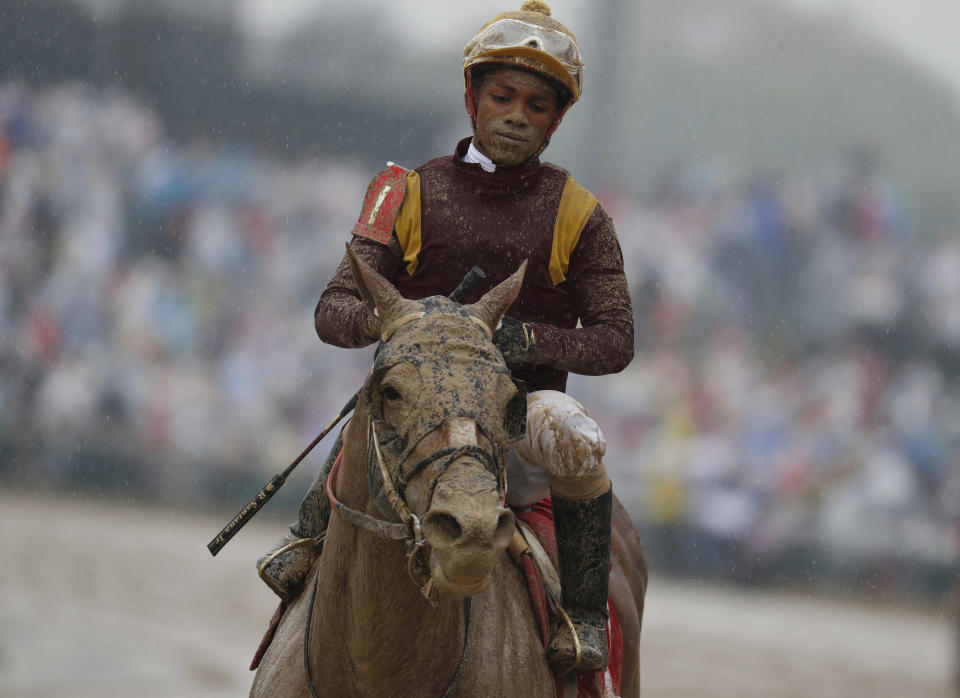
column 379, row 294
column 494, row 303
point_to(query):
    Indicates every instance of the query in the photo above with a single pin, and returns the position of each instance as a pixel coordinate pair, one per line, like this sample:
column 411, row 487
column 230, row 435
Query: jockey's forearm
column 590, row 351
column 342, row 317
column 604, row 343
column 343, row 320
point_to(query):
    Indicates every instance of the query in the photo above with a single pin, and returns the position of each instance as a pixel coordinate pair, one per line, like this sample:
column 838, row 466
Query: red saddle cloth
column 539, row 517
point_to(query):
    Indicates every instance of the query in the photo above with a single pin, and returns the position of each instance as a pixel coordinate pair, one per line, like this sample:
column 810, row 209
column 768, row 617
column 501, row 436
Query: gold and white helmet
column 528, row 38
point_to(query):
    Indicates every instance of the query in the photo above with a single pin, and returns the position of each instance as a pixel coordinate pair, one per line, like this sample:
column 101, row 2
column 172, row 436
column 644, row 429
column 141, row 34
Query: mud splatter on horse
column 415, row 594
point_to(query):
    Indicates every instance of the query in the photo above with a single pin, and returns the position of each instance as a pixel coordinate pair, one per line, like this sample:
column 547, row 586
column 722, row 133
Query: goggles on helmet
column 554, row 49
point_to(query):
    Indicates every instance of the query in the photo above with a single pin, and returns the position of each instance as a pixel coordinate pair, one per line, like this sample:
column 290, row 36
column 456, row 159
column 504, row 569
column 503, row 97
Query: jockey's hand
column 514, row 339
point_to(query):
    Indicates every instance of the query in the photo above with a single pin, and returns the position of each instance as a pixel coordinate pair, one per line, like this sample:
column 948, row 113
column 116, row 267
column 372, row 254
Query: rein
column 457, row 676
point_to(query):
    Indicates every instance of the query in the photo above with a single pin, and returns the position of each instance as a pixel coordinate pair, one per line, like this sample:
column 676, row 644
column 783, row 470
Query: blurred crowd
column 796, row 378
column 157, row 296
column 794, row 396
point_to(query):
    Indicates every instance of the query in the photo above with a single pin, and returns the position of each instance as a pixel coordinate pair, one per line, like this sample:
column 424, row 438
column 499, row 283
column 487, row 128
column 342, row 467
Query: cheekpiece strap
column 384, row 529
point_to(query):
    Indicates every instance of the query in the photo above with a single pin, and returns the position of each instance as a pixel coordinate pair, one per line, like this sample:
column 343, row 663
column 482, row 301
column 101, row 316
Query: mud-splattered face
column 440, row 397
column 515, row 109
column 439, row 400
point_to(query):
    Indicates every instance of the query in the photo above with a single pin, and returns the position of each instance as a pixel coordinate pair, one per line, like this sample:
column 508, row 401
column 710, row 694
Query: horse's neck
column 368, row 610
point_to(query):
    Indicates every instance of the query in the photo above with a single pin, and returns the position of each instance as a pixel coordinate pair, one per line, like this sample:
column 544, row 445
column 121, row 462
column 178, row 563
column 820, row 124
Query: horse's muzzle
column 467, row 528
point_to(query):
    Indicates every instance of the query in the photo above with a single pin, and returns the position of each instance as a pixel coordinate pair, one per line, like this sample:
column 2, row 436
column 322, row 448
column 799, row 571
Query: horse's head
column 443, row 410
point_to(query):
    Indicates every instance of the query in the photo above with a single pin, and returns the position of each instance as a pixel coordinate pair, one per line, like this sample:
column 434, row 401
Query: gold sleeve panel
column 576, row 206
column 407, row 226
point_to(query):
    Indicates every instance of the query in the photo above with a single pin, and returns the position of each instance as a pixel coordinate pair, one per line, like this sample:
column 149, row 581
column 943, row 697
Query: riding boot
column 285, row 566
column 583, row 547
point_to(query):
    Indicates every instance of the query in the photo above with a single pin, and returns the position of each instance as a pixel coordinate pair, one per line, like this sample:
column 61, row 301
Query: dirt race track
column 111, row 600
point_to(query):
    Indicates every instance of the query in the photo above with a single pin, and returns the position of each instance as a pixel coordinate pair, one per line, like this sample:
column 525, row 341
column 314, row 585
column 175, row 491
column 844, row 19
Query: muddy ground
column 106, row 599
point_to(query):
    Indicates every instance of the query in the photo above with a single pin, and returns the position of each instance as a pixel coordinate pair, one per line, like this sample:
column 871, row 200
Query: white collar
column 475, row 156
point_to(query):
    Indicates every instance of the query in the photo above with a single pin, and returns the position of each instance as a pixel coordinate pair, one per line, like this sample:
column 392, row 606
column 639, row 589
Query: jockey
column 493, row 203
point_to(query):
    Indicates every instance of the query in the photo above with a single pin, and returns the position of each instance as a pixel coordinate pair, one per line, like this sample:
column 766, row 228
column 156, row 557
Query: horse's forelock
column 446, row 328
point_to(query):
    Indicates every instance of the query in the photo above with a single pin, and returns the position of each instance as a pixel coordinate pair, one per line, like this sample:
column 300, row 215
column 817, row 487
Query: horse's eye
column 392, row 394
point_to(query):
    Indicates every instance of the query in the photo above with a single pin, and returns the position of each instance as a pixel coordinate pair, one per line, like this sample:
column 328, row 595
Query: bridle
column 399, row 522
column 408, row 529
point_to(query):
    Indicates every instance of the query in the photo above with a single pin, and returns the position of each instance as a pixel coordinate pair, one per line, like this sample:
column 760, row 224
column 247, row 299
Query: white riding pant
column 562, row 450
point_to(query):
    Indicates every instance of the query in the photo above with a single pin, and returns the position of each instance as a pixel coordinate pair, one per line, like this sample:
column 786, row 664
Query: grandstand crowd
column 798, row 337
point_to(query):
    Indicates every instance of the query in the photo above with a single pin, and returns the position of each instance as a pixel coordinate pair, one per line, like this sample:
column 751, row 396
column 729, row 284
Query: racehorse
column 415, row 594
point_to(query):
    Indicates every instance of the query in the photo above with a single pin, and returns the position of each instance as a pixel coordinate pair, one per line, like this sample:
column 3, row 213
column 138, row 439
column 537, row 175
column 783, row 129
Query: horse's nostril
column 445, row 525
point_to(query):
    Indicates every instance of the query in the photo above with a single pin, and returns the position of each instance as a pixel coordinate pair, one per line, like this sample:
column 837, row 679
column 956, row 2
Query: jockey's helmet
column 532, row 40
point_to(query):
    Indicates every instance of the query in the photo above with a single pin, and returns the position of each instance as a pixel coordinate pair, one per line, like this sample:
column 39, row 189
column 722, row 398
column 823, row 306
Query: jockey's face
column 515, row 109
